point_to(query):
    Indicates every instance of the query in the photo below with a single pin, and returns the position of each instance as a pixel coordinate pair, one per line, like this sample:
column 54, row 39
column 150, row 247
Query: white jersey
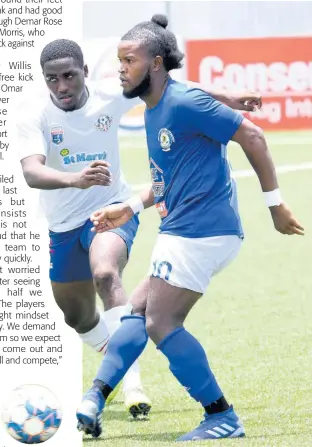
column 70, row 141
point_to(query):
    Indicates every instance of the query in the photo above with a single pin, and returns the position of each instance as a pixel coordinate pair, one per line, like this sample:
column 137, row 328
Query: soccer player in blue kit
column 200, row 231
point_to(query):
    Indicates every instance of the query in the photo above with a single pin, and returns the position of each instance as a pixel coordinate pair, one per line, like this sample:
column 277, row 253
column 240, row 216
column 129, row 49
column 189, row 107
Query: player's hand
column 97, row 173
column 248, row 102
column 284, row 221
column 110, row 217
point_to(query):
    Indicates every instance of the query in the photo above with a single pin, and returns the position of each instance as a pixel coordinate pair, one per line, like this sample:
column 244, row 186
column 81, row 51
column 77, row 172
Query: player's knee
column 79, row 319
column 105, row 277
column 150, row 327
column 154, row 328
column 158, row 326
column 72, row 319
column 138, row 310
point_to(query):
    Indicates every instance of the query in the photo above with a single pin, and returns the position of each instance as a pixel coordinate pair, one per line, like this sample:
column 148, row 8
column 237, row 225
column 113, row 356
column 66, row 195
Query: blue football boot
column 217, row 426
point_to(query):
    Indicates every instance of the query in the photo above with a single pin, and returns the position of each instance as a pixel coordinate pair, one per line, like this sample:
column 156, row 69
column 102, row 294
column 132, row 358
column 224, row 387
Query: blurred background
column 258, row 46
column 203, row 19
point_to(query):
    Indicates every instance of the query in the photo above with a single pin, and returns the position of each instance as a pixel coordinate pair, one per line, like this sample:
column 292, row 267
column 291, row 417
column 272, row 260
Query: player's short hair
column 60, row 49
column 161, row 41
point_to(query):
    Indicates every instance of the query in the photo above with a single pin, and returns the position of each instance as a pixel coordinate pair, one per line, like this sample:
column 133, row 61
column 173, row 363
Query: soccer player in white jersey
column 200, row 231
column 69, row 150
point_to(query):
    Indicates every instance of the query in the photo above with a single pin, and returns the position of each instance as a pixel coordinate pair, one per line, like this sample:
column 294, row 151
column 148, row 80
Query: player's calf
column 77, row 302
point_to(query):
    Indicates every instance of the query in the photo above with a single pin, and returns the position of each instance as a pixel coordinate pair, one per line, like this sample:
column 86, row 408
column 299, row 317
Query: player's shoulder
column 33, row 107
column 187, row 93
column 177, row 90
column 108, row 88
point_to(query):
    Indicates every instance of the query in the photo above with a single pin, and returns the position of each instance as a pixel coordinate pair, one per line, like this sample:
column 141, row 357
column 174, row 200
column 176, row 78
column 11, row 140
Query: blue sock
column 125, row 346
column 189, row 364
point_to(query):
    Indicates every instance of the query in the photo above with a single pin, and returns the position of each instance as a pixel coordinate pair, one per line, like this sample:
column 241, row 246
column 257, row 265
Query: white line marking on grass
column 289, row 142
column 248, row 173
column 271, row 142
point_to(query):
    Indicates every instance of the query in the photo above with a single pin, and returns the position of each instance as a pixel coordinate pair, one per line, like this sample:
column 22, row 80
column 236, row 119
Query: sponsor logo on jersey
column 57, row 134
column 64, row 152
column 83, row 157
column 162, row 209
column 165, row 139
column 158, row 181
column 103, row 123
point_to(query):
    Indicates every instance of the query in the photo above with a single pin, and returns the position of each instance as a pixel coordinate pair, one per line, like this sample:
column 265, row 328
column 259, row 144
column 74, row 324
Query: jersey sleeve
column 30, row 138
column 203, row 115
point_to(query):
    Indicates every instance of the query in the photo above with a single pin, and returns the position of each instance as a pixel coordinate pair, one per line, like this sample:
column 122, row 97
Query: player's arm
column 251, row 138
column 32, row 147
column 40, row 176
column 220, row 123
column 114, row 216
column 146, row 197
column 110, row 88
column 246, row 101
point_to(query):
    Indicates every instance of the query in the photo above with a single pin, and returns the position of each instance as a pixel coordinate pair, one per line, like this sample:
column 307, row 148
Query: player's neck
column 156, row 92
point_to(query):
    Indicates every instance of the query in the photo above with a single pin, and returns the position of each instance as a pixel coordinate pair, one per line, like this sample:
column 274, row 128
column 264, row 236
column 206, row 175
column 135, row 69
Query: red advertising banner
column 279, row 68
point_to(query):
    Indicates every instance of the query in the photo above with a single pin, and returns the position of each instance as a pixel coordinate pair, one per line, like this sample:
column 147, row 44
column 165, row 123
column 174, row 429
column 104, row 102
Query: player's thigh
column 181, row 269
column 167, row 305
column 111, row 250
column 190, row 263
column 108, row 255
column 69, row 260
column 71, row 278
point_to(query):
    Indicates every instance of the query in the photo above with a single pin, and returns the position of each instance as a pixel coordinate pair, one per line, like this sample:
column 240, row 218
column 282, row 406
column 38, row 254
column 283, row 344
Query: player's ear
column 86, row 71
column 158, row 62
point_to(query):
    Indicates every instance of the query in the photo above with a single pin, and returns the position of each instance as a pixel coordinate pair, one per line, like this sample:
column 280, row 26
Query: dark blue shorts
column 69, row 251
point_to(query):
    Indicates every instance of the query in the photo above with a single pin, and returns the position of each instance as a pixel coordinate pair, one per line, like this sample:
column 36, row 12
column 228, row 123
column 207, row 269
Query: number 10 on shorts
column 162, row 269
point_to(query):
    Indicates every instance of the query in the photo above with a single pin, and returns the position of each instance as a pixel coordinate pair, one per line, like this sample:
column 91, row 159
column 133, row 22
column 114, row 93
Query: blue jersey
column 187, row 133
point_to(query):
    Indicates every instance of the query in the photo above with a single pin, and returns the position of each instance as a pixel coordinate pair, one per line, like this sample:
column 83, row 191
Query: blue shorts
column 69, row 251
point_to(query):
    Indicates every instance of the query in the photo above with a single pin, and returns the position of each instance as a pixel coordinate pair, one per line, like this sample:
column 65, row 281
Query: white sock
column 112, row 317
column 98, row 337
column 132, row 379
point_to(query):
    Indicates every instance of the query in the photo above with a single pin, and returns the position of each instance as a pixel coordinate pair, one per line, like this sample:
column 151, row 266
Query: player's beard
column 140, row 90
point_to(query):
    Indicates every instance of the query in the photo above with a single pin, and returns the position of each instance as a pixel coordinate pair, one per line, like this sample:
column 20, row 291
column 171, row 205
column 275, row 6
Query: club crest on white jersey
column 103, row 123
column 57, row 134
